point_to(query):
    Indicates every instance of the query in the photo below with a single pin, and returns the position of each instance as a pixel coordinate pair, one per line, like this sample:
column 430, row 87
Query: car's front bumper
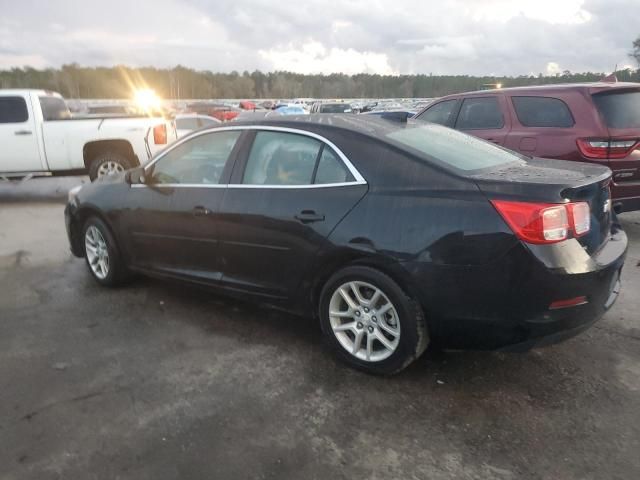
column 72, row 230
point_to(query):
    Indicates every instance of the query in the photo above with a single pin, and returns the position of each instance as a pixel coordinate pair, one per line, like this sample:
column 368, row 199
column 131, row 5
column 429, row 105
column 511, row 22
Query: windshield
column 452, row 148
column 620, row 110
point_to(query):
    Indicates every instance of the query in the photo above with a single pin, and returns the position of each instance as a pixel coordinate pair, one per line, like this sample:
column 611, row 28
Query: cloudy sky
column 492, row 37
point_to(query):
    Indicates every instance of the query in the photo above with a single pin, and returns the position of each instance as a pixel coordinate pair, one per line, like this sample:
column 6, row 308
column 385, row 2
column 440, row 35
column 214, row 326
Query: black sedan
column 393, row 235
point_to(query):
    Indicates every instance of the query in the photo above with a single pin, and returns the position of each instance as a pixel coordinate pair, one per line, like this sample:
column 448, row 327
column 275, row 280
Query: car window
column 187, row 123
column 480, row 113
column 54, row 108
column 438, row 113
column 198, row 161
column 331, row 169
column 13, row 110
column 619, row 109
column 279, row 158
column 542, row 112
column 452, row 148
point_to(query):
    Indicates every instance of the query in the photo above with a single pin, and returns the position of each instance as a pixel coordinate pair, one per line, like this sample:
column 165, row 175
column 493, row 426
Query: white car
column 188, row 122
column 39, row 137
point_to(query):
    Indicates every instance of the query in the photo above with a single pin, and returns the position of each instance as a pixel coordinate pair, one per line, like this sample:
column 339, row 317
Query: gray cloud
column 403, row 36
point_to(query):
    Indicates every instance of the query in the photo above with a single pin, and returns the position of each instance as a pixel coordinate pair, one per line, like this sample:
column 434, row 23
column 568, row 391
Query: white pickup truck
column 39, row 137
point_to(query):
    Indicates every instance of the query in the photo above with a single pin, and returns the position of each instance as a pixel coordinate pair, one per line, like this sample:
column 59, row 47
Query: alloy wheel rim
column 109, row 168
column 97, row 252
column 364, row 321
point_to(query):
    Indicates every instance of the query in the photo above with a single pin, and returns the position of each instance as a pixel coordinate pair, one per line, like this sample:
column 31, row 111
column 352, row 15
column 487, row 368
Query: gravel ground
column 162, row 381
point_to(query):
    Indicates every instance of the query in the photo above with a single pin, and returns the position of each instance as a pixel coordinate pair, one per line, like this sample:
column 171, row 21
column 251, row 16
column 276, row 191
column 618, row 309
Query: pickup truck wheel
column 102, row 255
column 108, row 163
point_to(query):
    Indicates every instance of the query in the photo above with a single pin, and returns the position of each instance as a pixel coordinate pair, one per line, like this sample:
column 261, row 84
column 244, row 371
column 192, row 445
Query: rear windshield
column 54, row 108
column 452, row 148
column 620, row 110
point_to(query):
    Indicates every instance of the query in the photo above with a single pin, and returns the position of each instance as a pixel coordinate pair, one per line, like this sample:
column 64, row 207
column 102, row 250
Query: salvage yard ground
column 161, row 381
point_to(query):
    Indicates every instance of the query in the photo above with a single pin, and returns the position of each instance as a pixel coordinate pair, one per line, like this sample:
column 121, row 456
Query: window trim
column 464, row 99
column 359, row 179
column 515, row 110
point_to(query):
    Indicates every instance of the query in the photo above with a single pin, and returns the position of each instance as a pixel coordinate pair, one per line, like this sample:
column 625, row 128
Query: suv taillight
column 160, row 134
column 606, row 148
column 542, row 223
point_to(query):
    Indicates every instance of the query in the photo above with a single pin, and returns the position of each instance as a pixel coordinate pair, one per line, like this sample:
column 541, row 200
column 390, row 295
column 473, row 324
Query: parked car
column 592, row 122
column 331, row 107
column 394, row 235
column 39, row 137
column 290, row 110
column 222, row 112
column 188, row 122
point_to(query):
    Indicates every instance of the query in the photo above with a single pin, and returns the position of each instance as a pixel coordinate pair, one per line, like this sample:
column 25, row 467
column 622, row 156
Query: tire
column 101, row 249
column 402, row 325
column 108, row 162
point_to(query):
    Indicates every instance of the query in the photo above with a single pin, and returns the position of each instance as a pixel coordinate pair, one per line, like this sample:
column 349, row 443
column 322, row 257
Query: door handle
column 23, row 132
column 201, row 211
column 309, row 216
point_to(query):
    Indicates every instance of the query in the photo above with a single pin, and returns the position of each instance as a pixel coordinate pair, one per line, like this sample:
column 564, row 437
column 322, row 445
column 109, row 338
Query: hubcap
column 364, row 321
column 109, row 168
column 97, row 252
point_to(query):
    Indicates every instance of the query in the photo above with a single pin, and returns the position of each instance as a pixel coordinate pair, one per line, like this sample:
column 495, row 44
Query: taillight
column 606, row 148
column 160, row 134
column 541, row 223
column 580, row 216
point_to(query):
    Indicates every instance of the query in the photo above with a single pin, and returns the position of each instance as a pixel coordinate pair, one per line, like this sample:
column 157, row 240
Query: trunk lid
column 555, row 181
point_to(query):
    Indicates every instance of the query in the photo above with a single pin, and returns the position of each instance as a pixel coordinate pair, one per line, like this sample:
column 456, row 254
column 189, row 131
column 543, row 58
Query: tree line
column 74, row 81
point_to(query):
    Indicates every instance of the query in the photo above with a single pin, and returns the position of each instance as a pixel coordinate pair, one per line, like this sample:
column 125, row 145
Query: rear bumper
column 506, row 304
column 626, row 204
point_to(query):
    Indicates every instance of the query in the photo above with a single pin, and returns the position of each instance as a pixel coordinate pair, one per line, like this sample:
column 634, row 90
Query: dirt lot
column 161, row 381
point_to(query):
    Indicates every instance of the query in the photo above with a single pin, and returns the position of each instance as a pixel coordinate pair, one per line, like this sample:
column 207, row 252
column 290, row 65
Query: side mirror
column 137, row 175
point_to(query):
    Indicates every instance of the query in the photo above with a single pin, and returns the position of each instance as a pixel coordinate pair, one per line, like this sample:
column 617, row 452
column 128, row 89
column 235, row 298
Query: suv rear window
column 542, row 112
column 13, row 110
column 620, row 110
column 452, row 148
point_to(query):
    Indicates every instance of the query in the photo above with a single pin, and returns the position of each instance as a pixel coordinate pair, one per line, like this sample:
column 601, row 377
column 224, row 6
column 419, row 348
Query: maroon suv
column 591, row 122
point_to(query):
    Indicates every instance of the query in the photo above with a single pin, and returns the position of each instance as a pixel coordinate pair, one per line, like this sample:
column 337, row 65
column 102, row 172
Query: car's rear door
column 485, row 117
column 288, row 191
column 171, row 224
column 544, row 126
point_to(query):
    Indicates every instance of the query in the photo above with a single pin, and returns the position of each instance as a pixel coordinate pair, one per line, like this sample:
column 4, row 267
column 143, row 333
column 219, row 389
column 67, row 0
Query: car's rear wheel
column 370, row 322
column 108, row 163
column 102, row 255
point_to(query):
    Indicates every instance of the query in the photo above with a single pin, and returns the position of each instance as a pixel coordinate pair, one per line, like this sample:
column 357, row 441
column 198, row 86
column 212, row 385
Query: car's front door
column 484, row 117
column 18, row 136
column 288, row 192
column 172, row 224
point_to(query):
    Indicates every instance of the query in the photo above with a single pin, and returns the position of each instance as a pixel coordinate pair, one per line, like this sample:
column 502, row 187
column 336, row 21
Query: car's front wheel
column 370, row 322
column 101, row 253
